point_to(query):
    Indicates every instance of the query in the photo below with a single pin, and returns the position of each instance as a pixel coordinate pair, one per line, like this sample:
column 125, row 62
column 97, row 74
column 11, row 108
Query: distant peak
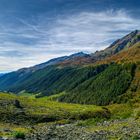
column 79, row 54
column 135, row 32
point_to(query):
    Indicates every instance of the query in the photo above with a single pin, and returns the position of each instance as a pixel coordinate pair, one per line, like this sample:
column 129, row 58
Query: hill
column 29, row 110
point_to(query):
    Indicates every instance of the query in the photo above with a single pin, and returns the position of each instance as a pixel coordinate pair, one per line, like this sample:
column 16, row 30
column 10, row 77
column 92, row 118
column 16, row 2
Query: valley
column 81, row 96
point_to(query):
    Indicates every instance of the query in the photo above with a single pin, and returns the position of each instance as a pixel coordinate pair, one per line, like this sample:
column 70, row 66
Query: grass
column 54, row 97
column 44, row 110
column 26, row 94
column 121, row 111
column 45, row 107
column 9, row 129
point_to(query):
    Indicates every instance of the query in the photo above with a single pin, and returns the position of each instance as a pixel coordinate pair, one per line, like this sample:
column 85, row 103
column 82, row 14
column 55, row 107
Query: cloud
column 29, row 42
column 92, row 30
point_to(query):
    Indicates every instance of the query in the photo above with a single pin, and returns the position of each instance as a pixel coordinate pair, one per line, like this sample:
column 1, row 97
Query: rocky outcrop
column 125, row 130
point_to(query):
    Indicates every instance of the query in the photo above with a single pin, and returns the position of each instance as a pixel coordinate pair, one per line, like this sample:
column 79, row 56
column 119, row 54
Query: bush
column 135, row 138
column 19, row 135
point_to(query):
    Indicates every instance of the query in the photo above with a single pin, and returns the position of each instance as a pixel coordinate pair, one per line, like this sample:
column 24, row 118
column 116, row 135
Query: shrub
column 19, row 135
column 135, row 138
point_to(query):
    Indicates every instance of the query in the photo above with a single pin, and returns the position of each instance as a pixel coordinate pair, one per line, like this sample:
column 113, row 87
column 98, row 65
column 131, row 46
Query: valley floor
column 126, row 129
column 42, row 119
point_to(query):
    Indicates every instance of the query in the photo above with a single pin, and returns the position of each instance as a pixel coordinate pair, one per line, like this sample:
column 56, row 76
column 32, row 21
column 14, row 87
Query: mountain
column 119, row 45
column 1, row 74
column 55, row 61
column 61, row 59
column 99, row 78
column 29, row 77
column 119, row 82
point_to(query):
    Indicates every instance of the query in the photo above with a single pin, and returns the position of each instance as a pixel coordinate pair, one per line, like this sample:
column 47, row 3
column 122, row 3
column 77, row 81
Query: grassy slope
column 33, row 111
column 47, row 110
column 39, row 110
column 127, row 55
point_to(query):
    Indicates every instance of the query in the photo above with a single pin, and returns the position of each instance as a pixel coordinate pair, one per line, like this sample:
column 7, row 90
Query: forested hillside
column 104, row 87
column 51, row 80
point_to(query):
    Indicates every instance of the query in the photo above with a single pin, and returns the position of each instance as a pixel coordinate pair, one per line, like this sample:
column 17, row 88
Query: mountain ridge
column 55, row 61
column 93, row 57
column 125, row 42
column 117, row 46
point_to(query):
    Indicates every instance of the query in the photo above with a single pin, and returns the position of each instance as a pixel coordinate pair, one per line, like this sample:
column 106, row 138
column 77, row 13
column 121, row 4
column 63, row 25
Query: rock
column 68, row 132
column 128, row 129
column 17, row 104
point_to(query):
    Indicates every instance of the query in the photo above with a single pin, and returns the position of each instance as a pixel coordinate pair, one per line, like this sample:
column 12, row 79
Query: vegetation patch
column 30, row 110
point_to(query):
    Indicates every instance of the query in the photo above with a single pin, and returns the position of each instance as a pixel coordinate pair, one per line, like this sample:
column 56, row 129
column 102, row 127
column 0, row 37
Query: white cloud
column 66, row 34
column 88, row 29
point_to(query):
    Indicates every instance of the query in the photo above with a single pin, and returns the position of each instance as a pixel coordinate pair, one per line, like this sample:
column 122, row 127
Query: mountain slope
column 131, row 54
column 111, row 83
column 103, row 88
column 50, row 80
column 16, row 78
column 79, row 55
column 1, row 74
column 55, row 61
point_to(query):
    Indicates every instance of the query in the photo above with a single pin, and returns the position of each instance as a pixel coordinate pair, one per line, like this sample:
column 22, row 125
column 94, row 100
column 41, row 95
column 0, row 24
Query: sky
column 34, row 31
